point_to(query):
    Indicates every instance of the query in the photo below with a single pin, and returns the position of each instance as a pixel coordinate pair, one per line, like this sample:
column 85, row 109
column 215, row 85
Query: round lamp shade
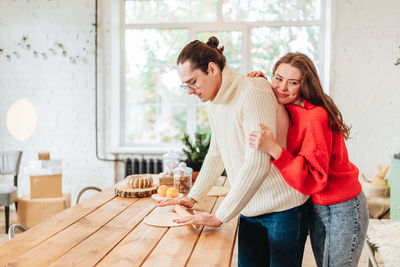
column 21, row 119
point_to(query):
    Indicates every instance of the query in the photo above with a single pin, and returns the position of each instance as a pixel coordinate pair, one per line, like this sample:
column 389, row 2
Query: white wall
column 365, row 82
column 60, row 87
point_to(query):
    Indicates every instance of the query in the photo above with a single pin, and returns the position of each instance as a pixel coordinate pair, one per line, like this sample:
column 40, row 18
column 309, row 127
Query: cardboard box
column 42, row 171
column 33, row 211
column 45, row 186
column 45, row 163
column 44, row 156
column 43, row 167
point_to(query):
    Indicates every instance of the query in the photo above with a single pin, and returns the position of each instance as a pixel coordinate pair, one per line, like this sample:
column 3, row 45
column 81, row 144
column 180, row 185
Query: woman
column 273, row 223
column 316, row 161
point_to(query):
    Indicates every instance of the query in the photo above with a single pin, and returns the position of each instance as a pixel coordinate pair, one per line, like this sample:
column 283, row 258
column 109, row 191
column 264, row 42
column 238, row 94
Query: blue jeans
column 274, row 239
column 338, row 231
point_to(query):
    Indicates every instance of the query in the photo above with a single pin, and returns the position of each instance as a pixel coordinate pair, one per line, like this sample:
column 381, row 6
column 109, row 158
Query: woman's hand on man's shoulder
column 255, row 74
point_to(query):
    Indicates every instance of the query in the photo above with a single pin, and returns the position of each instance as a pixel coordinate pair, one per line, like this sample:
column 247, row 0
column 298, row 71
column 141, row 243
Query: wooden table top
column 106, row 230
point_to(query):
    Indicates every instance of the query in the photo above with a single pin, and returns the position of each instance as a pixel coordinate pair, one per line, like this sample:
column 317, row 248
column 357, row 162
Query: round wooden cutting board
column 124, row 190
column 162, row 217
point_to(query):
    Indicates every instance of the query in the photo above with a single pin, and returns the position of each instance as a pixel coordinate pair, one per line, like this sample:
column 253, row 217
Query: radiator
column 140, row 166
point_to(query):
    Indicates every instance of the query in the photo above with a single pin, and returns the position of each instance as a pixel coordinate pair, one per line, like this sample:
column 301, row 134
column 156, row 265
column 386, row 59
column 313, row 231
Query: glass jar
column 170, row 162
column 183, row 178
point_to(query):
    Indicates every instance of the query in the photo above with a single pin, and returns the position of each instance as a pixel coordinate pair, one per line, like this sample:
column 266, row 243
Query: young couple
column 294, row 125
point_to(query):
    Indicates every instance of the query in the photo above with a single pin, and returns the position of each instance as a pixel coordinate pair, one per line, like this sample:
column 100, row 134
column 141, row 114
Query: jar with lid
column 183, row 178
column 170, row 162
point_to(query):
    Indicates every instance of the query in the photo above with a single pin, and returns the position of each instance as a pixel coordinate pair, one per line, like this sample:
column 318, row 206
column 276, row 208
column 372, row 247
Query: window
column 154, row 111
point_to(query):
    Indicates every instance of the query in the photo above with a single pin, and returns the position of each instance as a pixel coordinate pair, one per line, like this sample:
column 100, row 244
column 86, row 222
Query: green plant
column 196, row 151
column 397, row 61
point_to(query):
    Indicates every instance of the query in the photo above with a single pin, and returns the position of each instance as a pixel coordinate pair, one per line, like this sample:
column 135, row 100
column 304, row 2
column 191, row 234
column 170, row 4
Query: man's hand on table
column 184, row 201
column 200, row 218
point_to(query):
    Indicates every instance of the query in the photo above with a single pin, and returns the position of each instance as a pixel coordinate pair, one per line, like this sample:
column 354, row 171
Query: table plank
column 22, row 243
column 135, row 247
column 175, row 247
column 217, row 243
column 59, row 244
column 95, row 247
column 177, row 244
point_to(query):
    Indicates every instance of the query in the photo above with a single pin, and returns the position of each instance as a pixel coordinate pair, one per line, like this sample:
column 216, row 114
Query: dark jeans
column 274, row 239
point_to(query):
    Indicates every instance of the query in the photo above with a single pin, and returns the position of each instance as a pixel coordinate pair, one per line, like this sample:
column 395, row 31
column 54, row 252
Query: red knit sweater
column 316, row 162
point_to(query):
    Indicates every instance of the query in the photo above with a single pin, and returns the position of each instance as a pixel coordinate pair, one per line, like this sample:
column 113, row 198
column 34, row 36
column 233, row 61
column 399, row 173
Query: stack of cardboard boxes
column 46, row 198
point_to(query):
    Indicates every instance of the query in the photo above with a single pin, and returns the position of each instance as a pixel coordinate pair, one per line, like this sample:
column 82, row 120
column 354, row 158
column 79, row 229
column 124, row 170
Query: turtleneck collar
column 230, row 81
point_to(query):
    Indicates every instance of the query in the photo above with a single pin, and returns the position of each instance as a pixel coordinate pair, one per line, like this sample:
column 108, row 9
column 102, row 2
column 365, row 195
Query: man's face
column 204, row 86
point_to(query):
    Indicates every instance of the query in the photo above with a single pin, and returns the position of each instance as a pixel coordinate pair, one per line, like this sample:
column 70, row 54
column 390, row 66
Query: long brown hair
column 200, row 54
column 311, row 90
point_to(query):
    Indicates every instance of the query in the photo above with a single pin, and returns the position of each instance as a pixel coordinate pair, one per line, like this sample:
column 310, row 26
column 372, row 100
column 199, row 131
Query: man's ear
column 213, row 68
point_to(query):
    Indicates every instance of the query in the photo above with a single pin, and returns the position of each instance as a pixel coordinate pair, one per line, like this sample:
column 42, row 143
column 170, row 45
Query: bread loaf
column 139, row 181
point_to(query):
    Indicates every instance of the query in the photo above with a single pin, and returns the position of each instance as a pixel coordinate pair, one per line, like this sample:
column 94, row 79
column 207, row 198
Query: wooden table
column 106, row 230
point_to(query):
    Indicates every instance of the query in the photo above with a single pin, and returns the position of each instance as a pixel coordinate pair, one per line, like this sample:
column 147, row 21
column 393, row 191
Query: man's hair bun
column 214, row 42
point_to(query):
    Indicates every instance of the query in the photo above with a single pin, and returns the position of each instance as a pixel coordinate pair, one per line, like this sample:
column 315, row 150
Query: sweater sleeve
column 307, row 171
column 211, row 170
column 258, row 105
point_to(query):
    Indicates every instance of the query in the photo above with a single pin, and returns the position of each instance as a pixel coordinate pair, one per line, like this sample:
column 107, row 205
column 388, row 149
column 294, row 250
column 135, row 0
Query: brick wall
column 54, row 69
column 365, row 82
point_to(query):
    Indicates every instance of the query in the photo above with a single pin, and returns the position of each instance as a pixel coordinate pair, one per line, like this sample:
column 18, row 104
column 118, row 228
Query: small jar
column 183, row 178
column 170, row 162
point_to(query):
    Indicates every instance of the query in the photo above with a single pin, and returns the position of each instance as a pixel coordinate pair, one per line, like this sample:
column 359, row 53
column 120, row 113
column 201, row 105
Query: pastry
column 172, row 192
column 139, row 181
column 162, row 190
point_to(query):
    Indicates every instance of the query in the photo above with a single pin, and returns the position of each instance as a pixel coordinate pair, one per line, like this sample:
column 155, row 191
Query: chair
column 13, row 227
column 9, row 165
column 84, row 190
column 371, row 260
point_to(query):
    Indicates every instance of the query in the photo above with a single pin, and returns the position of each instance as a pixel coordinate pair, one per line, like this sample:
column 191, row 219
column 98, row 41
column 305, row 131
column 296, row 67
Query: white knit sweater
column 257, row 186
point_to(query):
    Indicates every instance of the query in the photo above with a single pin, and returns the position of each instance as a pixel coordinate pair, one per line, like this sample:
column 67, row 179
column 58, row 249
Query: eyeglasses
column 187, row 86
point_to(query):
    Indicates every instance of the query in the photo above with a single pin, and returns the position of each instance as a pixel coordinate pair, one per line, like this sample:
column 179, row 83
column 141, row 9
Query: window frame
column 117, row 69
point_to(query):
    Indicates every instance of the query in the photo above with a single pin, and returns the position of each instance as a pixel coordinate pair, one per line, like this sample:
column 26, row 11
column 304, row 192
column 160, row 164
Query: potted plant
column 196, row 151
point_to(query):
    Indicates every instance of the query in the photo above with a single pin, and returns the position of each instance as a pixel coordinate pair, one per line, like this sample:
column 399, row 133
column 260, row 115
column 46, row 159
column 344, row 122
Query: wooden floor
column 308, row 260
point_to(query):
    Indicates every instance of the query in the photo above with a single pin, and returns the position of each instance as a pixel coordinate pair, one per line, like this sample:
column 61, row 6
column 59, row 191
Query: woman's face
column 196, row 82
column 286, row 83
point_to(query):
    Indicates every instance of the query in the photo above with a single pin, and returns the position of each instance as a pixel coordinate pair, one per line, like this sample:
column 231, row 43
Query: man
column 273, row 222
